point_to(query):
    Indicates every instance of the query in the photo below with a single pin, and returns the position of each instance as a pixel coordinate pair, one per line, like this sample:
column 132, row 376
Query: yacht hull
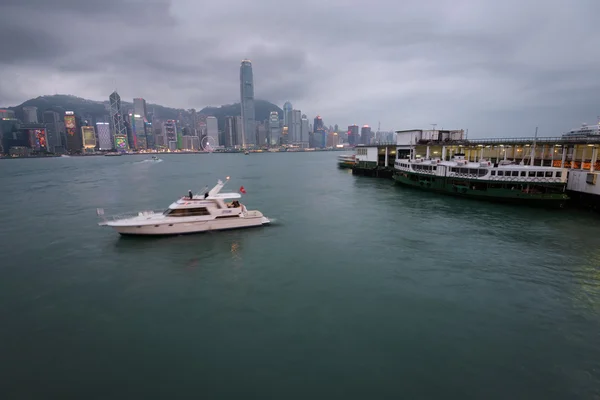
column 181, row 228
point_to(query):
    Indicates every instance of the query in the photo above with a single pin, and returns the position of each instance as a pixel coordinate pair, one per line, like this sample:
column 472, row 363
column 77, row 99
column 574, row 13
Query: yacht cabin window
column 187, row 212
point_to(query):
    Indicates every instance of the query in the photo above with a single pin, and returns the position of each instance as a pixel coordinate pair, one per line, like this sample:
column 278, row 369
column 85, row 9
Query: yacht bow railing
column 116, row 217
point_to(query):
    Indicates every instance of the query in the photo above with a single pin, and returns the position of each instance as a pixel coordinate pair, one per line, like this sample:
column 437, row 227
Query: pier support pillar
column 481, row 154
column 594, row 158
column 564, row 156
column 428, row 153
column 505, row 155
column 582, row 157
column 386, row 156
column 443, row 153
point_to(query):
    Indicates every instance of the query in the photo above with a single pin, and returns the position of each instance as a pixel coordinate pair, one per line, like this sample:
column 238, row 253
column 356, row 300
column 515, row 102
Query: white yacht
column 207, row 211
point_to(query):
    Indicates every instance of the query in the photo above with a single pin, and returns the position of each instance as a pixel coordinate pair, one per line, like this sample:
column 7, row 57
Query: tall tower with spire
column 117, row 125
column 247, row 104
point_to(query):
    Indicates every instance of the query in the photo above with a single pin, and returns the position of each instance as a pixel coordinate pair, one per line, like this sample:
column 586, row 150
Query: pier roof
column 515, row 141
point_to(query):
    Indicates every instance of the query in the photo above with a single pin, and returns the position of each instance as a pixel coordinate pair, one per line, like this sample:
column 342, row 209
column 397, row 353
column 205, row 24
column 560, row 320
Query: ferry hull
column 345, row 164
column 442, row 185
column 181, row 228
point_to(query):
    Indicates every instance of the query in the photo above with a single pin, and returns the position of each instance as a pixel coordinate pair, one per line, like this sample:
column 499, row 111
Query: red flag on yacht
column 242, row 190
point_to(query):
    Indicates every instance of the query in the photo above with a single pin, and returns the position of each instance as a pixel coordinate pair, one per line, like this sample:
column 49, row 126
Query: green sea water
column 360, row 289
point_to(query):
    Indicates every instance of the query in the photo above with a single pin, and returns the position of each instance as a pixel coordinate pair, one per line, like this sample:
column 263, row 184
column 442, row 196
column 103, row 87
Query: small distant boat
column 112, row 154
column 154, row 158
column 246, row 152
column 208, row 211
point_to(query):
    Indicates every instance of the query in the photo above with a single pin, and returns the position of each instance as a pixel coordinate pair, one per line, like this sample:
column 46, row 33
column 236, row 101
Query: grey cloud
column 412, row 63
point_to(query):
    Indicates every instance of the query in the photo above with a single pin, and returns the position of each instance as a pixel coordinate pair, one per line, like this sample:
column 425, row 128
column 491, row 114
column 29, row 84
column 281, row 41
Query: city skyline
column 480, row 66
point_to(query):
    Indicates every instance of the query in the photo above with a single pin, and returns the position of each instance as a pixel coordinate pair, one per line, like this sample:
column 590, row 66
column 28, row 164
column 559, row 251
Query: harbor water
column 360, row 289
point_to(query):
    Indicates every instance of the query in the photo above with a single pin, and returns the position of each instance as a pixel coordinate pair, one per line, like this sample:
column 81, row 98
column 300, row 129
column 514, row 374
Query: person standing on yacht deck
column 190, row 194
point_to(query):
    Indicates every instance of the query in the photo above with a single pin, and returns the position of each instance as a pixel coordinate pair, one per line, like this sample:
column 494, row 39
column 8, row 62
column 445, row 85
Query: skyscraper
column 318, row 123
column 212, row 130
column 296, row 126
column 139, row 123
column 170, row 134
column 88, row 136
column 117, row 124
column 105, row 140
column 238, row 140
column 353, row 135
column 30, row 115
column 229, row 135
column 247, row 102
column 303, row 129
column 262, row 130
column 274, row 129
column 53, row 129
column 366, row 135
column 287, row 114
column 74, row 140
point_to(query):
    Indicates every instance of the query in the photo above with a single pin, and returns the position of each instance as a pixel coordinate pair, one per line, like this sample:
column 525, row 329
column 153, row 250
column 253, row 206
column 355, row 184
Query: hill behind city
column 99, row 109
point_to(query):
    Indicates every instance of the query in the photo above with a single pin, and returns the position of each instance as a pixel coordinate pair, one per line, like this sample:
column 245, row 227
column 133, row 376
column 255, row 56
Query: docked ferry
column 503, row 182
column 346, row 161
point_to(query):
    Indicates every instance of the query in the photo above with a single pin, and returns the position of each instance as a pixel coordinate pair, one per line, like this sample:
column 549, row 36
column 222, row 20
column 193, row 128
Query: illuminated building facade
column 117, row 123
column 284, row 135
column 191, row 143
column 332, row 139
column 89, row 137
column 170, row 131
column 74, row 142
column 38, row 139
column 105, row 140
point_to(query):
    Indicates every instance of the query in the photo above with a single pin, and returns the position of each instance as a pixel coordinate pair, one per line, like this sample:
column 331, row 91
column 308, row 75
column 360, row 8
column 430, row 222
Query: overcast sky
column 497, row 68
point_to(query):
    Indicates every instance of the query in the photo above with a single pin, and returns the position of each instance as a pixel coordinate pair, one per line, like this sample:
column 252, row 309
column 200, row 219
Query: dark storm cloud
column 90, row 8
column 459, row 63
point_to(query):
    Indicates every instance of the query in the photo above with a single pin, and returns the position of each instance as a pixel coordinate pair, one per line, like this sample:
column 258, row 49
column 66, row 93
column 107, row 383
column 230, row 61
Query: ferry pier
column 577, row 154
